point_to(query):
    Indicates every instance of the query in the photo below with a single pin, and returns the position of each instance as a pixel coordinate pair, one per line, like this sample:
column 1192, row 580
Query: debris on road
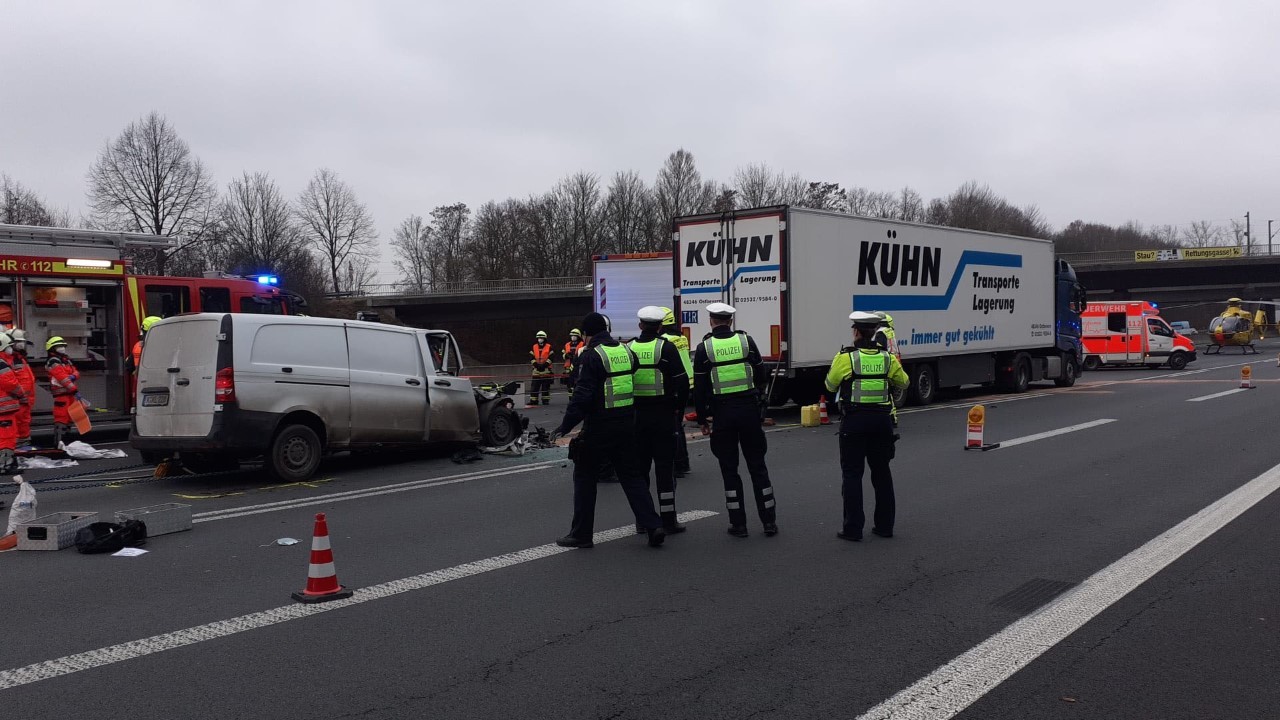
column 466, row 456
column 38, row 462
column 283, row 541
column 129, row 552
column 84, row 451
column 24, row 506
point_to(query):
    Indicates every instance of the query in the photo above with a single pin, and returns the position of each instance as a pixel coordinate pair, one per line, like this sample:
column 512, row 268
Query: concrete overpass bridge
column 495, row 320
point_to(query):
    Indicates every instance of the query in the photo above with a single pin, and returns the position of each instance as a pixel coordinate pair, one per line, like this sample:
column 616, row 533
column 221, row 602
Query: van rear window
column 188, row 344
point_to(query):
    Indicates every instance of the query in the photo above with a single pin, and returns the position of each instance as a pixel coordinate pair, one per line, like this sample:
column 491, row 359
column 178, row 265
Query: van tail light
column 224, row 386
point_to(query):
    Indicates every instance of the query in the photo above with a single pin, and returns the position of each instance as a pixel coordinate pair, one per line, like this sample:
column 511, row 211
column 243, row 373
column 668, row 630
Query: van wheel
column 1092, row 363
column 295, row 453
column 500, row 428
column 1069, row 372
column 1178, row 361
column 924, row 385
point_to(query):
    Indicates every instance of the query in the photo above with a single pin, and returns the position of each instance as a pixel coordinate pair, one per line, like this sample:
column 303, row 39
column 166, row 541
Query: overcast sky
column 1160, row 112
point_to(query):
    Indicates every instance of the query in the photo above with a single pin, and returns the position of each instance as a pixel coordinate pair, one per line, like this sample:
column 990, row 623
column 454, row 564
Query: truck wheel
column 294, row 454
column 1092, row 362
column 1069, row 372
column 1178, row 361
column 1021, row 376
column 899, row 396
column 500, row 428
column 924, row 385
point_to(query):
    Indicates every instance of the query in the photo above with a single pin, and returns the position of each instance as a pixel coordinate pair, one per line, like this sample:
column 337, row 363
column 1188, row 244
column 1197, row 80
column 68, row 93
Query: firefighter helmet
column 148, row 321
column 55, row 341
column 541, row 335
column 5, row 342
column 670, row 317
column 576, row 331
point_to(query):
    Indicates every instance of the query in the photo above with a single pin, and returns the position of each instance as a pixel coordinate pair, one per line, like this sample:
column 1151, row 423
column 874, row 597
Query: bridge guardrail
column 475, row 287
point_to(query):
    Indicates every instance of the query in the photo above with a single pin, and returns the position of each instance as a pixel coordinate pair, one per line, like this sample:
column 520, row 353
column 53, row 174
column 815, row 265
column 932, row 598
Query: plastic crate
column 54, row 532
column 160, row 519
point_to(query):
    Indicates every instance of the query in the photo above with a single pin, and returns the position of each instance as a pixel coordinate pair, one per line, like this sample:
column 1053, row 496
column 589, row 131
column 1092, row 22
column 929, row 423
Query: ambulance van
column 1132, row 333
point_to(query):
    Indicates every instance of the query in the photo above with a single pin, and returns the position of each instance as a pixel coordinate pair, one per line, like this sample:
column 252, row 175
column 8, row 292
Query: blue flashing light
column 268, row 279
column 1154, row 305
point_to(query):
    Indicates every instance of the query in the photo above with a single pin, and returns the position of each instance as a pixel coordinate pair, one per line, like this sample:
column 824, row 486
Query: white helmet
column 6, row 342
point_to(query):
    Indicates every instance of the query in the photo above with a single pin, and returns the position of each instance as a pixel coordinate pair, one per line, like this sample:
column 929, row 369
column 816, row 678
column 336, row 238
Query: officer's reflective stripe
column 618, row 368
column 667, row 496
column 648, row 380
column 730, row 371
column 769, row 503
column 733, row 505
column 730, row 494
column 868, row 383
column 667, row 507
column 682, row 346
column 767, row 491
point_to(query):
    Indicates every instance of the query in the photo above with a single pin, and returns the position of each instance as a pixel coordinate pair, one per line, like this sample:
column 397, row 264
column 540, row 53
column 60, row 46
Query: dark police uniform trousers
column 735, row 422
column 609, row 438
column 656, row 446
column 866, row 437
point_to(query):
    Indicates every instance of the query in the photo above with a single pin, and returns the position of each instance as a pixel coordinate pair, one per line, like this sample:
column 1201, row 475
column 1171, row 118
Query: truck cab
column 1132, row 333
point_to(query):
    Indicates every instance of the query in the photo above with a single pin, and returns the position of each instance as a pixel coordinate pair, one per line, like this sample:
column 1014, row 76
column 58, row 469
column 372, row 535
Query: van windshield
column 190, row 343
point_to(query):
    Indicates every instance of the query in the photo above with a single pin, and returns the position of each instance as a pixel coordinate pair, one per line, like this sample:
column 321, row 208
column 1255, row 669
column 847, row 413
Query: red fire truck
column 75, row 284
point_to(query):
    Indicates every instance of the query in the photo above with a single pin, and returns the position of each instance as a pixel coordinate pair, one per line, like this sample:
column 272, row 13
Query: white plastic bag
column 24, row 505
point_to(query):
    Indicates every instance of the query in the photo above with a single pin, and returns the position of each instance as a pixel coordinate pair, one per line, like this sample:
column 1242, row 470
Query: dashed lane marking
column 947, row 691
column 253, row 621
column 1053, row 433
column 243, row 510
column 1224, row 393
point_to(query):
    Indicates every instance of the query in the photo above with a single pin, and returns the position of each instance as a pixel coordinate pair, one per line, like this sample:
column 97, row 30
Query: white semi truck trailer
column 968, row 307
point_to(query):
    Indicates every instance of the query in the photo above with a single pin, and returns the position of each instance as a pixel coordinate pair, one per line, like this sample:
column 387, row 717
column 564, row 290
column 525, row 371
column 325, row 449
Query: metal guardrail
column 475, row 287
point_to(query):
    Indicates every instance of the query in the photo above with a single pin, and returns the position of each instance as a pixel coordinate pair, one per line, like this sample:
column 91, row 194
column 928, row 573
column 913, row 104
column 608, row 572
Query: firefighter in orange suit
column 63, row 377
column 131, row 363
column 27, row 378
column 540, row 391
column 571, row 350
column 12, row 399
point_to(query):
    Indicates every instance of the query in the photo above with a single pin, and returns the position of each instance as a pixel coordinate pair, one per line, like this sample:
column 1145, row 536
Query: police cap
column 861, row 318
column 651, row 314
column 720, row 310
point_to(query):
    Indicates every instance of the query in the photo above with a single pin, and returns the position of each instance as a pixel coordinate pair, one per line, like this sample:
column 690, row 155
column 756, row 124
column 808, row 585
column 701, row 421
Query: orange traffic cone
column 822, row 411
column 322, row 578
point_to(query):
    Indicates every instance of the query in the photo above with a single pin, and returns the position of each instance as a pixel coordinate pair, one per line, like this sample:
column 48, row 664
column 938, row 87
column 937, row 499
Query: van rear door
column 176, row 377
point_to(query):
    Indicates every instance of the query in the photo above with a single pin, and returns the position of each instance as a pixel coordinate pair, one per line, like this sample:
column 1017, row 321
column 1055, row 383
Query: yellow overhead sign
column 1208, row 253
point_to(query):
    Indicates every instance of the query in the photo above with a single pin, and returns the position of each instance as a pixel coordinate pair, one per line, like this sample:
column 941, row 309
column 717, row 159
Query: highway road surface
column 1115, row 558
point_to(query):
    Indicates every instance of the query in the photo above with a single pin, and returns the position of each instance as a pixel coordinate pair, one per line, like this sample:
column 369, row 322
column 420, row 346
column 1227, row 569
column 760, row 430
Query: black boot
column 657, row 536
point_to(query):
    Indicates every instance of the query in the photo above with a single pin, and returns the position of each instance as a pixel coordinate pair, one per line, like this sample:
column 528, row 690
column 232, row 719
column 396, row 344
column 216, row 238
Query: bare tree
column 1240, row 231
column 758, row 185
column 977, row 207
column 627, row 207
column 910, row 206
column 336, row 223
column 824, row 196
column 450, row 228
column 411, row 244
column 1166, row 235
column 19, row 205
column 679, row 190
column 148, row 181
column 493, row 248
column 258, row 225
column 1202, row 233
column 579, row 221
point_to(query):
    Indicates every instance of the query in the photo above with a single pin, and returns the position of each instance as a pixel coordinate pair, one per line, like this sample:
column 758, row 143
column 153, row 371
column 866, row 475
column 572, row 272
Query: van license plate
column 155, row 400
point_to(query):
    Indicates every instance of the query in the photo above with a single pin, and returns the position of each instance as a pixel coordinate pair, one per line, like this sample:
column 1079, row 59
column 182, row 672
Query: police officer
column 886, row 339
column 726, row 369
column 864, row 374
column 671, row 333
column 662, row 390
column 604, row 403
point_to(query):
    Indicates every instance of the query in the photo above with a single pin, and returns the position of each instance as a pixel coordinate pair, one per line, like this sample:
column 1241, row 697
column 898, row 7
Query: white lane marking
column 950, row 689
column 241, row 511
column 253, row 621
column 1053, row 433
column 1224, row 393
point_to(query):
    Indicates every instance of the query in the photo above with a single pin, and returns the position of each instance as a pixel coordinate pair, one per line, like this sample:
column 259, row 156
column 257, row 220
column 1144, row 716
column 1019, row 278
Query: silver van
column 217, row 388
